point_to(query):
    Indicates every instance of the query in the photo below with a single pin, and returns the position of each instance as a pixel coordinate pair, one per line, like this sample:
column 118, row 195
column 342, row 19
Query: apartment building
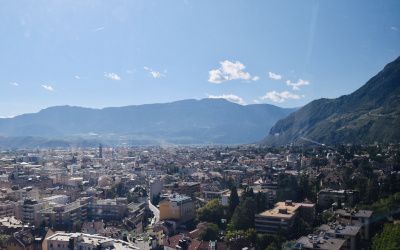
column 356, row 217
column 327, row 197
column 350, row 233
column 7, row 209
column 282, row 216
column 63, row 216
column 156, row 186
column 63, row 241
column 186, row 188
column 177, row 207
column 319, row 241
column 30, row 211
column 108, row 209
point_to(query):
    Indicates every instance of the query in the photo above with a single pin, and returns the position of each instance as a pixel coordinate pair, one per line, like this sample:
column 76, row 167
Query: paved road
column 155, row 211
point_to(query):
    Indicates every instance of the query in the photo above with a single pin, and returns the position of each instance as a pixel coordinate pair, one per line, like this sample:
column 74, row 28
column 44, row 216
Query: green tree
column 385, row 207
column 248, row 193
column 213, row 212
column 389, row 238
column 210, row 233
column 264, row 240
column 243, row 217
column 233, row 200
column 287, row 188
column 306, row 190
column 272, row 246
column 262, row 202
column 301, row 227
column 238, row 239
column 3, row 240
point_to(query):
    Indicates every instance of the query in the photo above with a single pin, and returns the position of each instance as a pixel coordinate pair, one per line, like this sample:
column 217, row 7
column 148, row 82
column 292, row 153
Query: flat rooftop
column 179, row 198
column 284, row 210
column 92, row 239
column 354, row 213
column 11, row 222
column 338, row 229
column 319, row 242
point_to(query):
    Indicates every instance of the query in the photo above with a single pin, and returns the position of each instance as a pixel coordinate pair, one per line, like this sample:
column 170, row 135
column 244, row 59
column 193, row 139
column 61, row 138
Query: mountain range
column 370, row 114
column 206, row 121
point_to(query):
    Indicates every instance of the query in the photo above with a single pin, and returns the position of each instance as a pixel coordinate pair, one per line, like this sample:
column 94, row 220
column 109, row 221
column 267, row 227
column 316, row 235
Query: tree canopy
column 243, row 217
column 389, row 238
column 213, row 212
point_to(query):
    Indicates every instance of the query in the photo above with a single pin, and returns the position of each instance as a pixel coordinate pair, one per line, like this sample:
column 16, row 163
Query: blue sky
column 116, row 53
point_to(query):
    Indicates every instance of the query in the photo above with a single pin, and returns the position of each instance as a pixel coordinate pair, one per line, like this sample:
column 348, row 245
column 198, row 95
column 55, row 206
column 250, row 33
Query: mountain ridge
column 369, row 114
column 206, row 121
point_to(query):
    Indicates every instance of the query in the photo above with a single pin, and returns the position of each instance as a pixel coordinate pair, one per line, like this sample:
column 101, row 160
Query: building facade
column 177, row 207
column 282, row 217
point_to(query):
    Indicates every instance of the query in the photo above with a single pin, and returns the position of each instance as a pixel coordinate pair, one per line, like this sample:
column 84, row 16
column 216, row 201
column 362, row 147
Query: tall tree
column 243, row 217
column 233, row 200
column 262, row 202
column 210, row 232
column 248, row 193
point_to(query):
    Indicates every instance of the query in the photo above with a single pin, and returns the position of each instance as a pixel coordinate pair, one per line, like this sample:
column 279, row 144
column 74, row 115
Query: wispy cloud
column 112, row 76
column 394, row 28
column 230, row 71
column 48, row 87
column 77, row 77
column 229, row 97
column 14, row 84
column 280, row 96
column 298, row 84
column 274, row 76
column 98, row 29
column 153, row 73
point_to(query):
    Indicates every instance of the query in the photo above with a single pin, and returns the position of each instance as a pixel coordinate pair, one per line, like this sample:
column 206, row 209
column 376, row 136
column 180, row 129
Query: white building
column 62, row 241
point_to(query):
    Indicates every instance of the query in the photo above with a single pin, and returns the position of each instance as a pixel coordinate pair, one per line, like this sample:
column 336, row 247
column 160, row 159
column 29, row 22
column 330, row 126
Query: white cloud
column 298, row 84
column 229, row 97
column 48, row 87
column 6, row 116
column 77, row 77
column 153, row 73
column 230, row 71
column 112, row 76
column 280, row 96
column 274, row 76
column 14, row 84
column 98, row 29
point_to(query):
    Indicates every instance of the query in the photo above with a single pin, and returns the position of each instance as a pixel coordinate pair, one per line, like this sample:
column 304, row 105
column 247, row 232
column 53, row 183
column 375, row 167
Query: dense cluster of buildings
column 143, row 198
